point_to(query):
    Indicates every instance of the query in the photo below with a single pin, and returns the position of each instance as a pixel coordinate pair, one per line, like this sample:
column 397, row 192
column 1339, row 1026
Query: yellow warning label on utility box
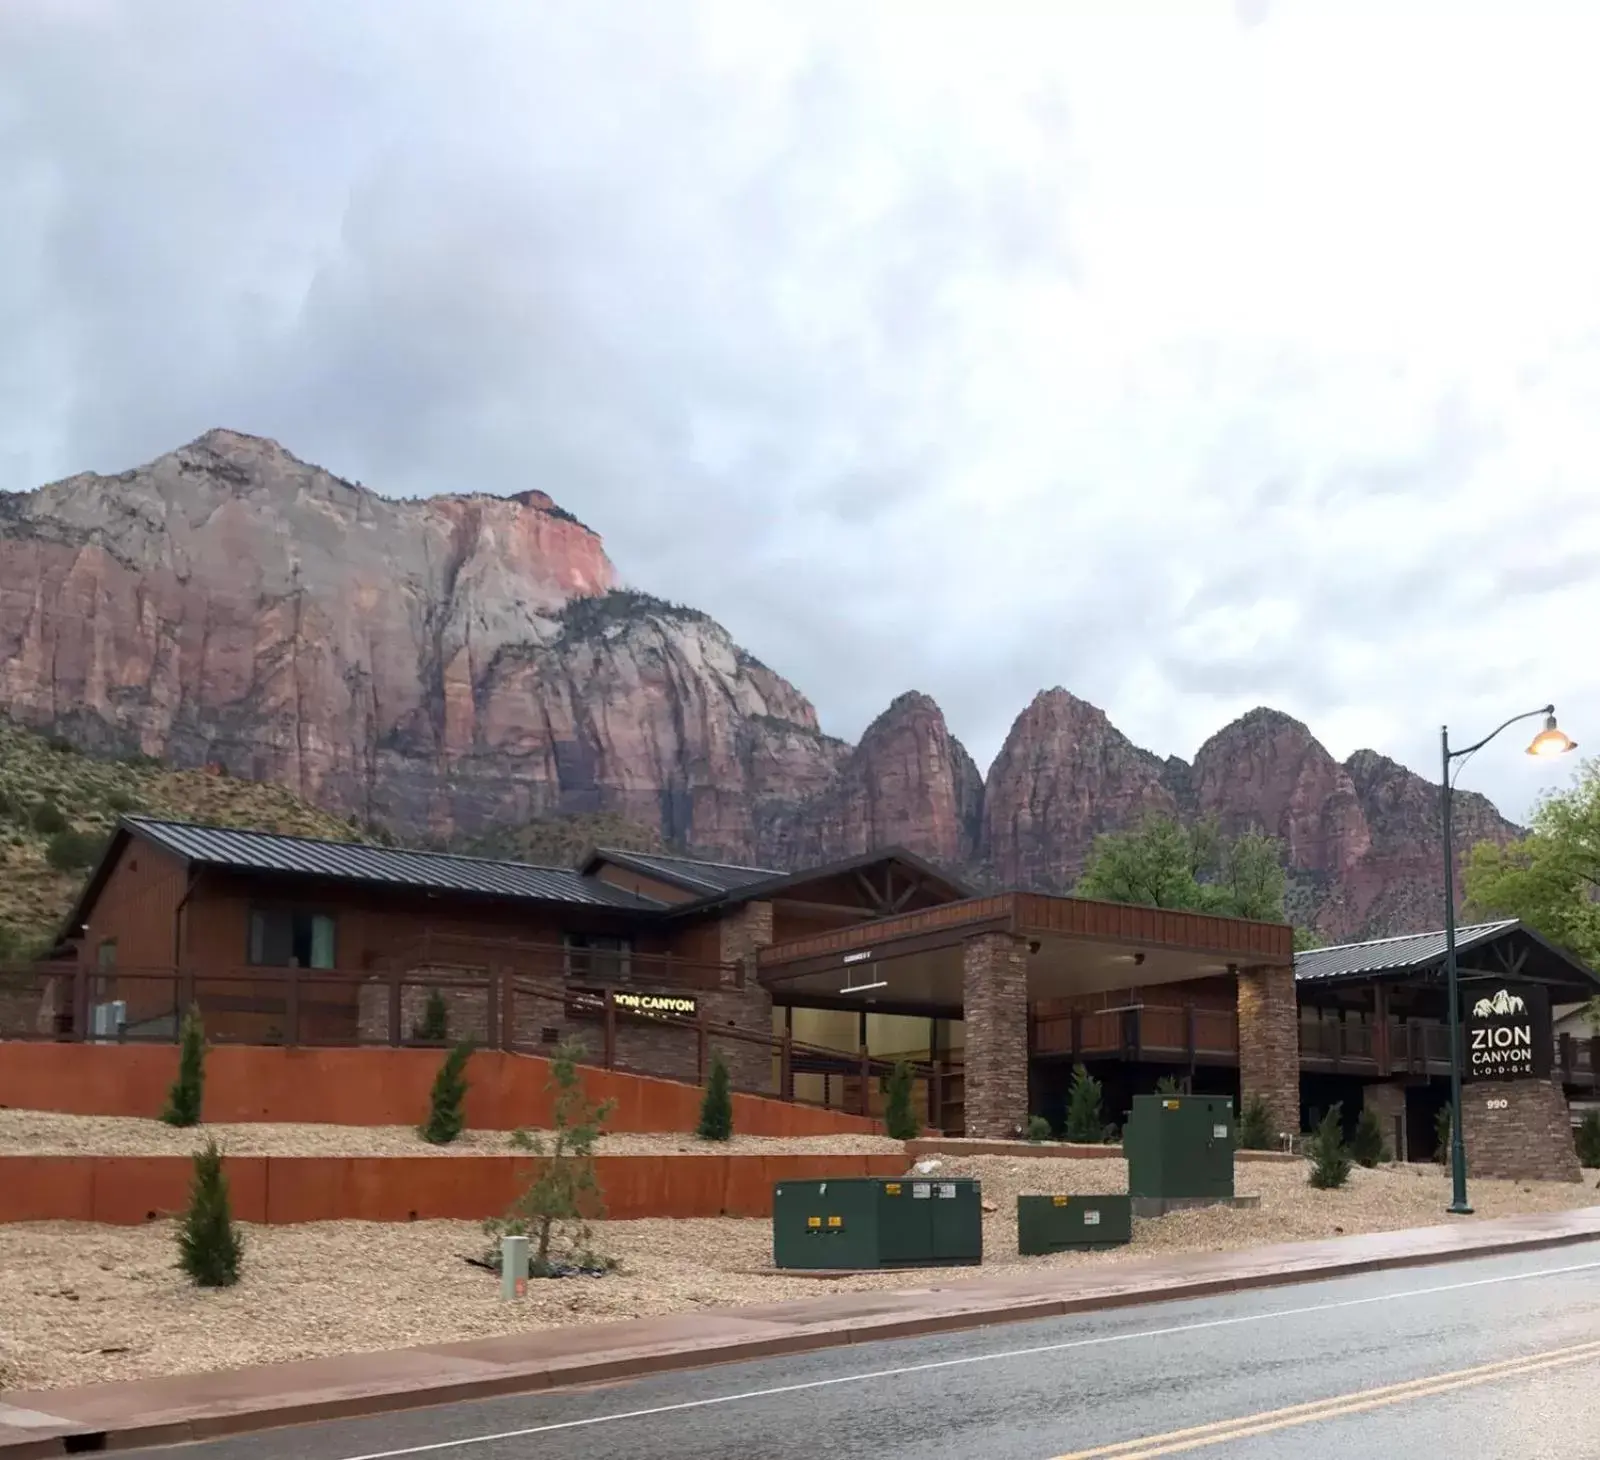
column 891, row 1188
column 1061, row 1201
column 836, row 1221
column 813, row 1221
column 1169, row 1104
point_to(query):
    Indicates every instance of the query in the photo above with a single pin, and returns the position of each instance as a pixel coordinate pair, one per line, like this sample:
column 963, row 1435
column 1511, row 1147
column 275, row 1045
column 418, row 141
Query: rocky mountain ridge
column 459, row 663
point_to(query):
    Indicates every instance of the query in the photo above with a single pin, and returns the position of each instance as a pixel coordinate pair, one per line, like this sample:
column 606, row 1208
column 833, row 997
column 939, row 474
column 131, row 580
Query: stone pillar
column 1269, row 1045
column 1518, row 1129
column 1387, row 1100
column 741, row 933
column 994, row 1000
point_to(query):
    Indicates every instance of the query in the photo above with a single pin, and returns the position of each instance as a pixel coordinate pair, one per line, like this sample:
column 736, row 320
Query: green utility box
column 1180, row 1147
column 1072, row 1223
column 872, row 1221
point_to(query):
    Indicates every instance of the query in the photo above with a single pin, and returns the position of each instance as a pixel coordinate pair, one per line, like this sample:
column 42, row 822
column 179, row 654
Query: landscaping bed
column 44, row 1133
column 83, row 1303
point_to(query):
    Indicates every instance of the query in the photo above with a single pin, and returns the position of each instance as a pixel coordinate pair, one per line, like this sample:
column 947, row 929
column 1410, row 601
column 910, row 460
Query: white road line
column 439, row 1446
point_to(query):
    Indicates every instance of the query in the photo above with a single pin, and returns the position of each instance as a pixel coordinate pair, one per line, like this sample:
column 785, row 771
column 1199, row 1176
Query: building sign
column 591, row 1004
column 1507, row 1033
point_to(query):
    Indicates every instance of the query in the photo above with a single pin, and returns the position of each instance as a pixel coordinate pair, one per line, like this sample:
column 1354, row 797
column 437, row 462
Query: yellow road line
column 1147, row 1447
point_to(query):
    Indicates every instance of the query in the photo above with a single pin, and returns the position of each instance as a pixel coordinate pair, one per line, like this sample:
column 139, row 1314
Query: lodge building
column 806, row 982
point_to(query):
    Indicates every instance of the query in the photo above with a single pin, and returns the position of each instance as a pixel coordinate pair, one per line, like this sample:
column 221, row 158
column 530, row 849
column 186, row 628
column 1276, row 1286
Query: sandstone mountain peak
column 457, row 664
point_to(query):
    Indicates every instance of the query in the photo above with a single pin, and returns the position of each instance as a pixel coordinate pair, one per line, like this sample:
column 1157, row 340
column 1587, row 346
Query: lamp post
column 1549, row 742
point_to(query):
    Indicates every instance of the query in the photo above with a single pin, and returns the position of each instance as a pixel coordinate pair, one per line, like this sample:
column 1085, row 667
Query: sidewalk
column 203, row 1406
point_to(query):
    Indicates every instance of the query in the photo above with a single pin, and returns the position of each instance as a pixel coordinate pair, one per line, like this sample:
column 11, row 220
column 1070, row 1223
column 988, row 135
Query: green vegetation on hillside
column 582, row 617
column 58, row 806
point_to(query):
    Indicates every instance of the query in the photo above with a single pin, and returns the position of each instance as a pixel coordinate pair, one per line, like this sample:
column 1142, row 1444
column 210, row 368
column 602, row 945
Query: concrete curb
column 106, row 1417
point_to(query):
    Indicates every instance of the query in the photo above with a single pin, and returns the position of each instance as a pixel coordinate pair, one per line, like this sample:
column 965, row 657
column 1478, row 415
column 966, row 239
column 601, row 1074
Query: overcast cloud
column 1193, row 357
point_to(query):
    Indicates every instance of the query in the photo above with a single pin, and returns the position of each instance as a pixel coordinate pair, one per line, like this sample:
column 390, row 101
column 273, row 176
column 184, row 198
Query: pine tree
column 716, row 1109
column 1367, row 1144
column 446, row 1119
column 1255, row 1126
column 1169, row 1085
column 1330, row 1160
column 434, row 1026
column 1084, row 1121
column 555, row 1210
column 1441, row 1136
column 1038, row 1129
column 187, row 1093
column 210, row 1250
column 898, row 1120
column 1589, row 1139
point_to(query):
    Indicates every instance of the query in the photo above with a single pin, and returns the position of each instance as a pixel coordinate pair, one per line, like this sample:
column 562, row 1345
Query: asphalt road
column 1478, row 1359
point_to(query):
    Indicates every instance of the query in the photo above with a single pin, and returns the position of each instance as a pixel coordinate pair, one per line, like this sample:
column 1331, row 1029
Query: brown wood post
column 291, row 1009
column 491, row 1007
column 394, row 1008
column 608, row 1030
column 508, row 1009
column 1380, row 1030
column 936, row 1097
column 786, row 1065
column 186, row 996
column 702, row 1046
column 866, row 1076
column 80, row 1003
column 1077, row 1035
column 1190, row 1037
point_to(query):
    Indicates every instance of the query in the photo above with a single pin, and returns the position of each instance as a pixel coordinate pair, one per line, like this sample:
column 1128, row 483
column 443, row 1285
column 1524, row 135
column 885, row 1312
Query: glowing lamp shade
column 1551, row 741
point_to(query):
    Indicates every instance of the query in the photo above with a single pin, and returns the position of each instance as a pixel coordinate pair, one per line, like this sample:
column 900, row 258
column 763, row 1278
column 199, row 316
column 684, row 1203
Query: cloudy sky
column 1193, row 357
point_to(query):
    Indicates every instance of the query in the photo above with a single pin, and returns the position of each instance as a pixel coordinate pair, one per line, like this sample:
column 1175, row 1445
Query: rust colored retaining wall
column 128, row 1190
column 368, row 1087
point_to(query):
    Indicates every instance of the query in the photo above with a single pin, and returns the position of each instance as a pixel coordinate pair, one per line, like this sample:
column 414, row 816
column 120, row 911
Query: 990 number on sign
column 1496, row 1104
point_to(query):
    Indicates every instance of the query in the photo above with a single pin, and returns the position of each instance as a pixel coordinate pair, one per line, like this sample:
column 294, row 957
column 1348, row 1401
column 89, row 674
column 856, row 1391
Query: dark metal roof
column 1393, row 955
column 259, row 851
column 703, row 878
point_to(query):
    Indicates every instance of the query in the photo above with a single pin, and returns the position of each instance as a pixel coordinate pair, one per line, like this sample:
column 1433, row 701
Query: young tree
column 210, row 1250
column 1551, row 877
column 187, row 1093
column 1255, row 1126
column 1441, row 1136
column 446, row 1118
column 1039, row 1128
column 1330, row 1160
column 555, row 1211
column 898, row 1120
column 434, row 1026
column 1084, row 1121
column 1169, row 1085
column 716, row 1107
column 1367, row 1145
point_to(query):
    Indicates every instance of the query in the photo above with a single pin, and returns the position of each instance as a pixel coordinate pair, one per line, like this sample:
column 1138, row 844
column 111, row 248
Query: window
column 597, row 955
column 290, row 938
column 106, row 953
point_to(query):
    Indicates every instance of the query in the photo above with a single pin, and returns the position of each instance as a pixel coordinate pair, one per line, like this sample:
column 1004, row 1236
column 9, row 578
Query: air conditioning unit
column 106, row 1020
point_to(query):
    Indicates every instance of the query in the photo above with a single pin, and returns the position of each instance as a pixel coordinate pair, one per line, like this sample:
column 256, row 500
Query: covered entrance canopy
column 917, row 963
column 987, row 960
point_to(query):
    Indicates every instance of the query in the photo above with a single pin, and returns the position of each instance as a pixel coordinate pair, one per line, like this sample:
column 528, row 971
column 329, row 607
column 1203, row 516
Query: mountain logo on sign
column 1501, row 1003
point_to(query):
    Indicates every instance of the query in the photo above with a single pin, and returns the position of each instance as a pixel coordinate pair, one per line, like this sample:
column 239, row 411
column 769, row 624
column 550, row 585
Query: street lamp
column 1548, row 743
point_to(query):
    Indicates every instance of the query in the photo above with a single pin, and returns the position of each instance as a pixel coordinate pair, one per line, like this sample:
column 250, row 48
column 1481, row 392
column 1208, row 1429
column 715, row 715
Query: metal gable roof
column 688, row 873
column 258, row 851
column 1392, row 955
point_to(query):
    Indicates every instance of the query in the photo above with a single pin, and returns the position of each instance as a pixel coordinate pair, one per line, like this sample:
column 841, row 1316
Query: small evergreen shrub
column 1038, row 1128
column 1588, row 1139
column 1367, row 1145
column 210, row 1250
column 1255, row 1126
column 1169, row 1085
column 446, row 1119
column 716, row 1106
column 1330, row 1159
column 1084, row 1120
column 1441, row 1136
column 434, row 1026
column 47, row 819
column 899, row 1123
column 187, row 1094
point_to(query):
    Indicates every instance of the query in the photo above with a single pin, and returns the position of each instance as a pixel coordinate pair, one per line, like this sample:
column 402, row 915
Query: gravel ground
column 42, row 1133
column 80, row 1303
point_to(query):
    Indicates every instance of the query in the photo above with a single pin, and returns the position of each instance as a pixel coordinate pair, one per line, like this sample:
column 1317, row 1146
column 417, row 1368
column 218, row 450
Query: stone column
column 1387, row 1100
column 994, row 1000
column 741, row 933
column 1518, row 1129
column 1269, row 1045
